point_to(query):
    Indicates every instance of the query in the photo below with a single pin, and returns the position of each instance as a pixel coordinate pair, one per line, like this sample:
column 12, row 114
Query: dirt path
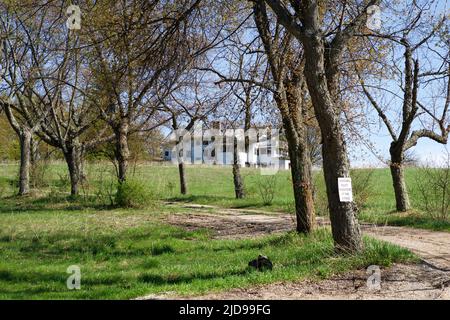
column 433, row 247
column 428, row 280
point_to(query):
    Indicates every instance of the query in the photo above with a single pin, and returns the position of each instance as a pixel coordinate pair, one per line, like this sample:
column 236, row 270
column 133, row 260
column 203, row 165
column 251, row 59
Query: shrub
column 106, row 186
column 432, row 189
column 133, row 194
column 267, row 187
column 63, row 182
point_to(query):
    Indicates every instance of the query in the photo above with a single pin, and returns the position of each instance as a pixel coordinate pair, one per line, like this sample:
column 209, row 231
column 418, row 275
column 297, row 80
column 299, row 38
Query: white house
column 217, row 149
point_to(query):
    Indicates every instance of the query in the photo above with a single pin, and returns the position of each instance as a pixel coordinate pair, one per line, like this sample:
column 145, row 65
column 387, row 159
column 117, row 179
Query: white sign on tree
column 345, row 189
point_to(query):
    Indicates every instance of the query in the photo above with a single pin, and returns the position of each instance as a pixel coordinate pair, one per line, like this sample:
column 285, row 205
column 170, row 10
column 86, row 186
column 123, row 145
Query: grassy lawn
column 130, row 253
column 214, row 186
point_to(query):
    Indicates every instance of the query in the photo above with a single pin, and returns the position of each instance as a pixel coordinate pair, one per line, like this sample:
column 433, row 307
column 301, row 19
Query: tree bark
column 301, row 174
column 35, row 155
column 247, row 125
column 398, row 181
column 237, row 178
column 345, row 226
column 73, row 160
column 25, row 161
column 122, row 151
column 301, row 170
column 289, row 80
column 182, row 174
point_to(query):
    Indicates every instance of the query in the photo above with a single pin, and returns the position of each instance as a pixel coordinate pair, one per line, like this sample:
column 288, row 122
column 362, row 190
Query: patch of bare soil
column 400, row 282
column 230, row 226
column 428, row 280
column 397, row 282
column 431, row 246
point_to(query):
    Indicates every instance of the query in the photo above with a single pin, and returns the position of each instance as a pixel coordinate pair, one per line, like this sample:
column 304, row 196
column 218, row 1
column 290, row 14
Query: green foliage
column 133, row 194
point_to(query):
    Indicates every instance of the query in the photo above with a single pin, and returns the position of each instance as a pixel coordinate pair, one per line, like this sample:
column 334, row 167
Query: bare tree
column 192, row 101
column 417, row 119
column 325, row 32
column 47, row 84
column 288, row 89
column 286, row 66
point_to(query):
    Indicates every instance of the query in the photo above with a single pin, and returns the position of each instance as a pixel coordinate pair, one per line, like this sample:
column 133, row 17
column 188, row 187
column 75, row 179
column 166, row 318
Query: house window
column 269, row 150
column 166, row 153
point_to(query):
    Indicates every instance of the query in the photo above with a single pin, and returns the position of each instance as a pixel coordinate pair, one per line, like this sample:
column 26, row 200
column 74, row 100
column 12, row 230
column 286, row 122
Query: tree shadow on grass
column 173, row 279
column 50, row 203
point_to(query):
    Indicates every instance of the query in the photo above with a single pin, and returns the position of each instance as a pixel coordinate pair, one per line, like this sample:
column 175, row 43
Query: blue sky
column 426, row 150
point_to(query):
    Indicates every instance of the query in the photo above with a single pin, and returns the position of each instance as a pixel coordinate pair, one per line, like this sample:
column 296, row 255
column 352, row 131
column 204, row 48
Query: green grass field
column 214, row 186
column 129, row 253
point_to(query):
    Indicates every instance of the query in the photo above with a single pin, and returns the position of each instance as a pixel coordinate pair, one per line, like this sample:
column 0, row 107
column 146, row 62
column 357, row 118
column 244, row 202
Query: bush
column 267, row 187
column 432, row 189
column 63, row 181
column 106, row 183
column 133, row 194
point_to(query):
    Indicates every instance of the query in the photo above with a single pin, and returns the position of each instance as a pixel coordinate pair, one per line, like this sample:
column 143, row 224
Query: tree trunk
column 73, row 160
column 35, row 155
column 302, row 186
column 25, row 161
column 247, row 125
column 290, row 105
column 398, row 180
column 293, row 116
column 345, row 226
column 301, row 171
column 182, row 173
column 122, row 152
column 237, row 178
